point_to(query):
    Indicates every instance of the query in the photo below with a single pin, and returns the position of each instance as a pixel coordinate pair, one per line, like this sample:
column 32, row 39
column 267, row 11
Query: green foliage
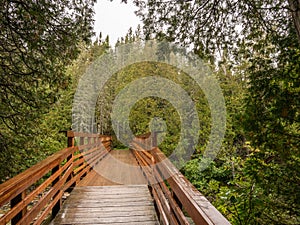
column 222, row 181
column 212, row 26
column 153, row 107
column 43, row 134
column 38, row 39
column 256, row 46
column 273, row 124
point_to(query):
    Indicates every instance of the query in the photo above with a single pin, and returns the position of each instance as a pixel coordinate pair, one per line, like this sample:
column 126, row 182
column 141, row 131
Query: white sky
column 114, row 19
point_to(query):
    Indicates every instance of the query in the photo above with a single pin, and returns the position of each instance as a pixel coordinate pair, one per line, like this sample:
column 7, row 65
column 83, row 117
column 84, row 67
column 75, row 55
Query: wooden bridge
column 69, row 188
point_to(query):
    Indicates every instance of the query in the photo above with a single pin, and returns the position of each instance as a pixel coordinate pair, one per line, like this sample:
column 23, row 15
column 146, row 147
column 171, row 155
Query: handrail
column 36, row 194
column 179, row 194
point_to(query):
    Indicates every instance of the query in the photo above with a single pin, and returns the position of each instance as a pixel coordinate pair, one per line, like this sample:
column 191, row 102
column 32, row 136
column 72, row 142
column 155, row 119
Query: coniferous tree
column 38, row 39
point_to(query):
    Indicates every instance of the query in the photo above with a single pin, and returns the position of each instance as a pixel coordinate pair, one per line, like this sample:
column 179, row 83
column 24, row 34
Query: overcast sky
column 114, row 19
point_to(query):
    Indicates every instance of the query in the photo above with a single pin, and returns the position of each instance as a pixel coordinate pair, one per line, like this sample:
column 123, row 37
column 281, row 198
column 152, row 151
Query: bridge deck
column 119, row 167
column 102, row 198
column 127, row 204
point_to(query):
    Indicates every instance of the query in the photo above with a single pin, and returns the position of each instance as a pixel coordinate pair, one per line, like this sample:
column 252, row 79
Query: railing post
column 82, row 142
column 90, row 141
column 57, row 206
column 14, row 202
column 154, row 140
column 71, row 143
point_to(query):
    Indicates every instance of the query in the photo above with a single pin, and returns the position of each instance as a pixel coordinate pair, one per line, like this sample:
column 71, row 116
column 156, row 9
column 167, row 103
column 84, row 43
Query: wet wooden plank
column 126, row 204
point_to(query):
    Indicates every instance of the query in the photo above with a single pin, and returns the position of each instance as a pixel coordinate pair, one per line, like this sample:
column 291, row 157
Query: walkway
column 98, row 200
column 114, row 205
column 119, row 167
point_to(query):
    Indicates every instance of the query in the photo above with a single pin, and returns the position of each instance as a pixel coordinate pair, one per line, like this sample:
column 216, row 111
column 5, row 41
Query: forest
column 251, row 47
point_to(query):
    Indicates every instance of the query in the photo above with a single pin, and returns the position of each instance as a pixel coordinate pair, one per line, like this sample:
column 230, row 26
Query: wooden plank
column 117, row 167
column 95, row 179
column 126, row 214
column 104, row 201
column 130, row 188
column 105, row 210
column 114, row 219
column 132, row 223
column 162, row 215
column 111, row 196
column 108, row 205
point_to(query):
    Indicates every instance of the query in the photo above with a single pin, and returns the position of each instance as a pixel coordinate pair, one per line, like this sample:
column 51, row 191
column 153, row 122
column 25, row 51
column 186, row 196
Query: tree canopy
column 38, row 39
column 257, row 42
column 213, row 26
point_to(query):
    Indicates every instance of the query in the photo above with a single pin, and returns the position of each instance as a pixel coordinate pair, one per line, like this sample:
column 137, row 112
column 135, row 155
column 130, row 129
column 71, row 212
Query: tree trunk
column 295, row 10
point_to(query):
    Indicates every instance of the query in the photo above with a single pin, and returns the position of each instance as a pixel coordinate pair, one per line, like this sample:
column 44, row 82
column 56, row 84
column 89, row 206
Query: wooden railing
column 36, row 194
column 174, row 195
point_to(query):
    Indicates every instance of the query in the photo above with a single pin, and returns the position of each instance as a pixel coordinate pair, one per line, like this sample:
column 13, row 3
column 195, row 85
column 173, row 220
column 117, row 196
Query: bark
column 295, row 10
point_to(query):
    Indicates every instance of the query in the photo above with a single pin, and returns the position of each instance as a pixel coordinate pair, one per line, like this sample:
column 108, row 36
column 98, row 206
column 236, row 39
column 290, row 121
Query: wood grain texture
column 117, row 168
column 126, row 204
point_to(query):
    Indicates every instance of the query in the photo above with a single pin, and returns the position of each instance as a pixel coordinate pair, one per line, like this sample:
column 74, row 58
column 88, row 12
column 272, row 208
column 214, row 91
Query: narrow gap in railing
column 13, row 203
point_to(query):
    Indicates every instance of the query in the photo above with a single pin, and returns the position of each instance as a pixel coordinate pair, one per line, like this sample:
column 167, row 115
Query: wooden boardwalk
column 119, row 167
column 114, row 205
column 108, row 205
column 99, row 200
